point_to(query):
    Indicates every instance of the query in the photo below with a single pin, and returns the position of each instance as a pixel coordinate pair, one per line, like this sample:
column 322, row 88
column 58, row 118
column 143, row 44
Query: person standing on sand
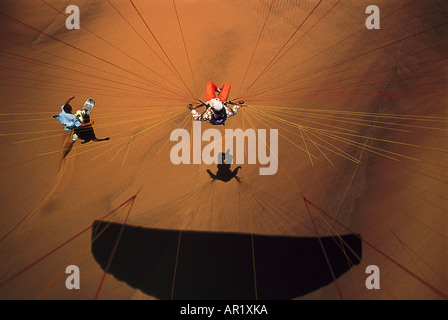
column 68, row 119
column 79, row 123
column 217, row 110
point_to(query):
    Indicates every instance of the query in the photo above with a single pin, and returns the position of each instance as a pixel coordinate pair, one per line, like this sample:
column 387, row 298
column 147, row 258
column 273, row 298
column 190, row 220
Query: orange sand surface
column 361, row 115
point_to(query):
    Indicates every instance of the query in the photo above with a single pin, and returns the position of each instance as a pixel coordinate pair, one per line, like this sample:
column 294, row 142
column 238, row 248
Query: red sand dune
column 361, row 115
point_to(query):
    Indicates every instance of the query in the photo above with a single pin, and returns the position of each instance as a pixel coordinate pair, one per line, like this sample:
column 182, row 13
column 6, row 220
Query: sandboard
column 88, row 105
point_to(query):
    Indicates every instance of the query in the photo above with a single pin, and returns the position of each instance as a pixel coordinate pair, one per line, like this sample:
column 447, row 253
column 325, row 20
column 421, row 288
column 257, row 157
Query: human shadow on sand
column 216, row 266
column 84, row 132
column 224, row 172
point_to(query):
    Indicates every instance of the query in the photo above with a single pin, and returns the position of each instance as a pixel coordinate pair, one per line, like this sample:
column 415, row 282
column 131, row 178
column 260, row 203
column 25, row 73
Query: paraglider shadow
column 224, row 172
column 175, row 264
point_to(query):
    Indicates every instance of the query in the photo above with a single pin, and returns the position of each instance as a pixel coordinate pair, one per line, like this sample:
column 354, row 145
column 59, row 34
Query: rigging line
column 421, row 259
column 278, row 213
column 426, row 51
column 371, row 123
column 110, row 113
column 381, row 140
column 160, row 122
column 126, row 144
column 78, row 63
column 71, row 71
column 256, row 46
column 440, row 234
column 324, row 251
column 366, row 148
column 440, row 92
column 332, row 86
column 336, row 44
column 306, row 201
column 363, row 164
column 312, row 220
column 293, row 34
column 384, row 62
column 346, row 60
column 114, row 249
column 319, row 123
column 428, row 285
column 364, row 114
column 325, row 156
column 407, row 251
column 127, row 151
column 253, row 247
column 73, row 261
column 113, row 124
column 23, row 270
column 89, row 150
column 160, row 46
column 170, row 116
column 305, row 33
column 294, row 133
column 359, row 67
column 117, row 144
column 72, row 46
column 367, row 122
column 342, row 244
column 275, row 213
column 360, row 90
column 66, row 79
column 115, row 47
column 147, row 44
column 118, row 93
column 435, row 92
column 365, row 137
column 314, row 171
column 359, row 122
column 338, row 152
column 133, row 136
column 20, row 84
column 176, row 264
column 48, row 121
column 115, row 141
column 185, row 47
column 196, row 199
column 68, row 156
column 80, row 89
column 64, row 89
column 382, row 174
column 183, row 125
column 290, row 141
column 341, row 152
